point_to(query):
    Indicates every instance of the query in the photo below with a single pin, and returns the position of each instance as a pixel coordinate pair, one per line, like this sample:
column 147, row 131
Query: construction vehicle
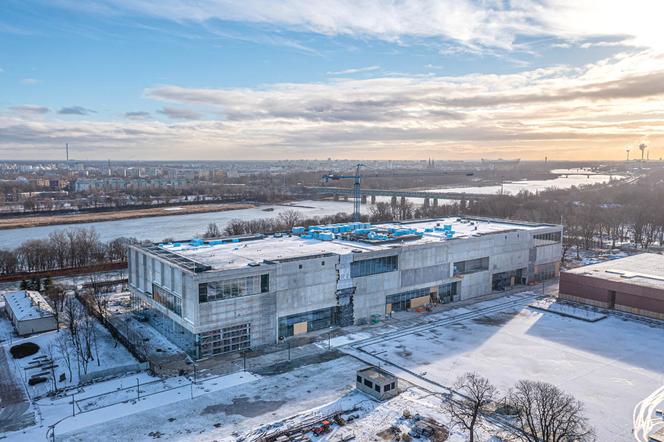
column 323, row 428
column 357, row 194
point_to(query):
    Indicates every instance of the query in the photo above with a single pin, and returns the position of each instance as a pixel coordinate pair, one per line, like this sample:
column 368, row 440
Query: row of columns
column 393, row 201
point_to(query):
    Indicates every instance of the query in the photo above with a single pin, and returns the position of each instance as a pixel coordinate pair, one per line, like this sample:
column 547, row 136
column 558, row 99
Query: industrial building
column 634, row 284
column 29, row 312
column 221, row 295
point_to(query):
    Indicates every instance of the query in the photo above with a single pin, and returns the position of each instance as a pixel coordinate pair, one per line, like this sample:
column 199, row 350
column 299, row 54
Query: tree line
column 63, row 249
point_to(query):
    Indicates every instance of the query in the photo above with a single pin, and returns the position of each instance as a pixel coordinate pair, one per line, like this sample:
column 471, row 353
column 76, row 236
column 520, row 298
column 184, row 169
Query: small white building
column 377, row 383
column 29, row 312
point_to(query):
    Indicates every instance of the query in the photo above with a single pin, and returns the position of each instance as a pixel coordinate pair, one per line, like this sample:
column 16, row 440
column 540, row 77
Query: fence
column 114, row 371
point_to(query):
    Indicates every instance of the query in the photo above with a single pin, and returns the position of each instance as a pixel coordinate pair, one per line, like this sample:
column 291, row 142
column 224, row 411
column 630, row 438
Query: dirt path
column 120, row 214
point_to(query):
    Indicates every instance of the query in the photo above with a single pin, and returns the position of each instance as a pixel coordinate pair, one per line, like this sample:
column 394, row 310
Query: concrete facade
column 308, row 285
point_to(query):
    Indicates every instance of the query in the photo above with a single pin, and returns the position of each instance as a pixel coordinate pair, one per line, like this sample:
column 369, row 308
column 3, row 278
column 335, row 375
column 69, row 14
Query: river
column 188, row 226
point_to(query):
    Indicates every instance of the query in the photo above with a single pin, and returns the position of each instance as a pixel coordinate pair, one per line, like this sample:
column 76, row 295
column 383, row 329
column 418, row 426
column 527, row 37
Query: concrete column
column 336, row 197
column 363, row 199
column 373, row 199
column 403, row 200
column 393, row 201
column 345, row 197
column 435, row 202
column 426, row 202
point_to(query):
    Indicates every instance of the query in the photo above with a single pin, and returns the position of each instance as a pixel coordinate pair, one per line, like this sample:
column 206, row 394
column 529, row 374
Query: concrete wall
column 36, row 325
column 311, row 287
column 311, row 283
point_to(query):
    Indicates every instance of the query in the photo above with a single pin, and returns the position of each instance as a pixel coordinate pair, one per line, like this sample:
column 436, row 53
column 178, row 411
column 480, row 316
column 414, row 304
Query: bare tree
column 63, row 342
column 547, row 414
column 477, row 394
column 50, row 352
column 57, row 295
column 290, row 218
column 212, row 231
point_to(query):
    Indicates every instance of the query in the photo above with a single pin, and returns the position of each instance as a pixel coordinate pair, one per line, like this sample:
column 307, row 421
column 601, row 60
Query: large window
column 167, row 299
column 374, row 266
column 545, row 239
column 227, row 339
column 233, row 288
column 315, row 320
column 448, row 292
column 471, row 266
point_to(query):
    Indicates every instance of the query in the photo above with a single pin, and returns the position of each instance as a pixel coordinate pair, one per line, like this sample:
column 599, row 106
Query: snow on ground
column 553, row 305
column 59, row 411
column 240, row 408
column 610, row 365
column 111, row 355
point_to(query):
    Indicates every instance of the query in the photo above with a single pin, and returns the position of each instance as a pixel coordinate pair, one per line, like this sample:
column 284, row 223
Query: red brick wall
column 627, row 294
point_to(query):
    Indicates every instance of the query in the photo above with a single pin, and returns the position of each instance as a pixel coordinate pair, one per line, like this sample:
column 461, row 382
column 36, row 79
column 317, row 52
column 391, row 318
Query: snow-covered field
column 610, row 365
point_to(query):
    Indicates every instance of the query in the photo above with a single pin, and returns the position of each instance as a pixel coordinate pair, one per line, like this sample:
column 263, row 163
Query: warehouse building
column 634, row 284
column 228, row 294
column 29, row 312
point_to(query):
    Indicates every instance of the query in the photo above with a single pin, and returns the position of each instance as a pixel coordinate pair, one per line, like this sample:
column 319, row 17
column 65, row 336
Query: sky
column 312, row 79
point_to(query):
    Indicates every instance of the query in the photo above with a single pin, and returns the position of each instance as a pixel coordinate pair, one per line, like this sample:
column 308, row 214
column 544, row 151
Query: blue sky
column 221, row 79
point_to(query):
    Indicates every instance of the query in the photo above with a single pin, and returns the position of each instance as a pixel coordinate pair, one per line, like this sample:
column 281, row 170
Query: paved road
column 15, row 412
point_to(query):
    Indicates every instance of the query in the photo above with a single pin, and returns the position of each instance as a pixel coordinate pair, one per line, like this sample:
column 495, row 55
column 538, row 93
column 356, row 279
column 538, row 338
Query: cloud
column 76, row 110
column 137, row 115
column 488, row 24
column 29, row 81
column 588, row 112
column 355, row 70
column 30, row 109
column 180, row 114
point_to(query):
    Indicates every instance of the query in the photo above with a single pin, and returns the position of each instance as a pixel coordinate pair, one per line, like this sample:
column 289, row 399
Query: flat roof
column 280, row 247
column 27, row 304
column 377, row 375
column 645, row 269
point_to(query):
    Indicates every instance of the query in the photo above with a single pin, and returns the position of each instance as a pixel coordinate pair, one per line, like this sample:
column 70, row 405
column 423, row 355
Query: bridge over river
column 428, row 196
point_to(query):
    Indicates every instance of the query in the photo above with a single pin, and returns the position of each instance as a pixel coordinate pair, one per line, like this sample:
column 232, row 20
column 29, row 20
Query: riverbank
column 121, row 214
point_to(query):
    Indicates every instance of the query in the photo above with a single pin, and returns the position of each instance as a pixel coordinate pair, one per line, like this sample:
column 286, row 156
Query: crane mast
column 357, row 193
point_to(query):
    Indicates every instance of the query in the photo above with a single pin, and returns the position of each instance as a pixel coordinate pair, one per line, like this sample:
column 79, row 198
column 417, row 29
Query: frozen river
column 173, row 226
column 188, row 226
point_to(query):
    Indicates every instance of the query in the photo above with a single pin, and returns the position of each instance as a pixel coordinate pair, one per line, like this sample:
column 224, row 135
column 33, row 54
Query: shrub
column 23, row 350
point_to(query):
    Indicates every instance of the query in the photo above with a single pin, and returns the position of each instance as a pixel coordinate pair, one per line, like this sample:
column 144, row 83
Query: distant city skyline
column 450, row 80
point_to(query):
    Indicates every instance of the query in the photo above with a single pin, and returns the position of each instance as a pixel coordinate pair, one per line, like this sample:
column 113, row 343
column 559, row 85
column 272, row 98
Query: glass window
column 471, row 266
column 377, row 388
column 368, row 383
column 233, row 288
column 374, row 266
column 545, row 239
column 167, row 299
column 359, row 379
column 316, row 320
column 202, row 292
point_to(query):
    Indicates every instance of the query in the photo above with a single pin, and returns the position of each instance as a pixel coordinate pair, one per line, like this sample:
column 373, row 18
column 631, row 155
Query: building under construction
column 221, row 295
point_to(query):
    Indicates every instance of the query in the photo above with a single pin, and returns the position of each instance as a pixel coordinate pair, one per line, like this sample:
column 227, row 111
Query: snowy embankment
column 551, row 305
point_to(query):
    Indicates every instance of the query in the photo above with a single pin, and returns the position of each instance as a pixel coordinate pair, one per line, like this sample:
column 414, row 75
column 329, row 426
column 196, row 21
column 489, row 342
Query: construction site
column 225, row 295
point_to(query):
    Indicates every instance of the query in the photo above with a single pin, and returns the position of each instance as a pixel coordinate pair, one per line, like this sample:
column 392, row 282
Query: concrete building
column 215, row 296
column 29, row 312
column 377, row 383
column 634, row 284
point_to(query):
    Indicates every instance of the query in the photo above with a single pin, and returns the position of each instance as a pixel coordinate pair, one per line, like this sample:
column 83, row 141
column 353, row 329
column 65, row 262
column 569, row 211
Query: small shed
column 29, row 312
column 377, row 383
